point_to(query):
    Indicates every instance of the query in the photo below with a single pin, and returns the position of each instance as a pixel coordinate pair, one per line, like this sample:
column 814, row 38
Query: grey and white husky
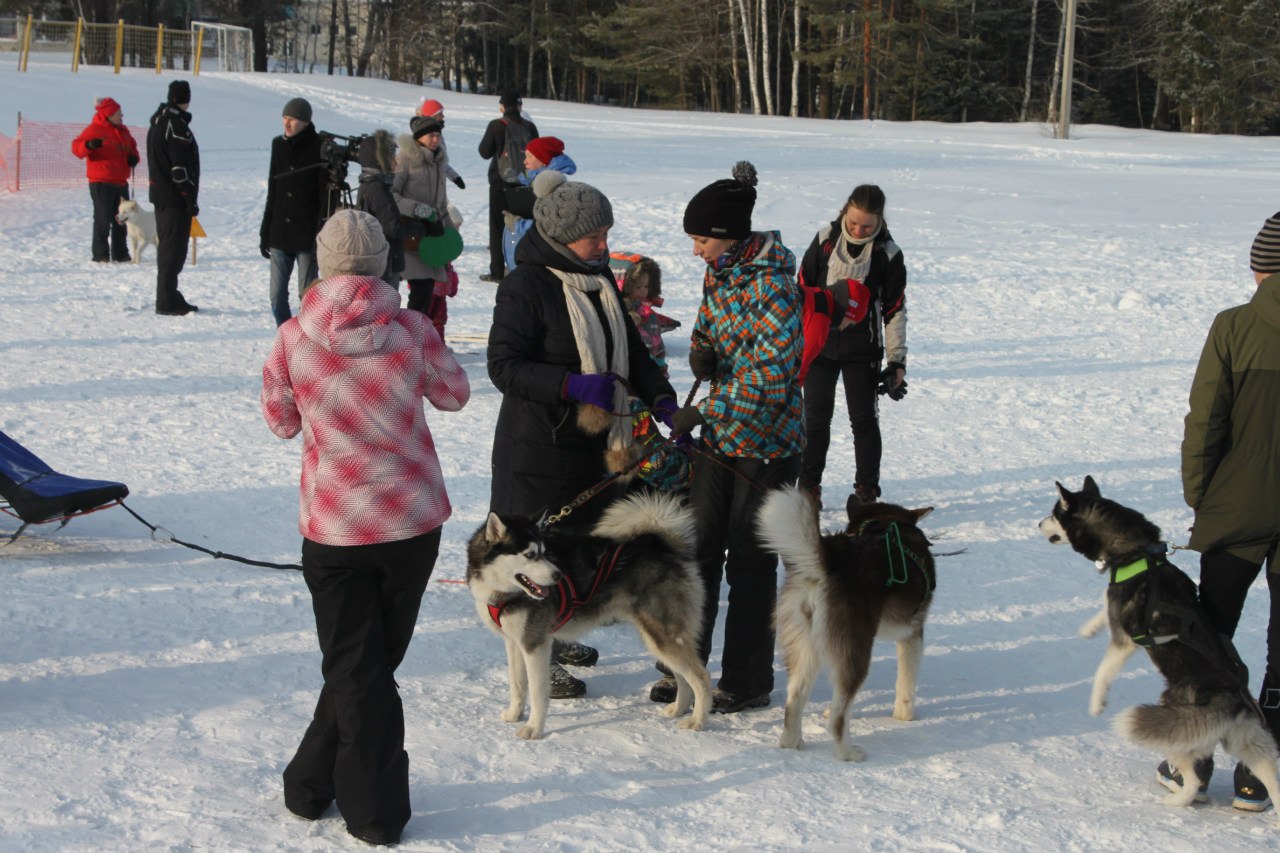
column 140, row 224
column 841, row 592
column 1206, row 700
column 532, row 583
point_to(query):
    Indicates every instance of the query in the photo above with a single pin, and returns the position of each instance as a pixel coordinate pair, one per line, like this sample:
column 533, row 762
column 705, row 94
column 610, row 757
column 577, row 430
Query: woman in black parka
column 560, row 334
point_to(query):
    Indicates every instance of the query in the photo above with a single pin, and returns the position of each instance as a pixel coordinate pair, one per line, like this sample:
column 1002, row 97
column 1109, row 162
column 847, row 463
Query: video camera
column 336, row 151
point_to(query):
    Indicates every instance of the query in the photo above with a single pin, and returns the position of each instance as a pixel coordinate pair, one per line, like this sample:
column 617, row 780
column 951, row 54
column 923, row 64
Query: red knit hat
column 430, row 107
column 545, row 148
column 107, row 107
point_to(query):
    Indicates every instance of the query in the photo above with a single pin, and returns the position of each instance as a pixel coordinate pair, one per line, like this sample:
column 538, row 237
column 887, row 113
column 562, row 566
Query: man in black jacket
column 173, row 165
column 296, row 206
column 492, row 145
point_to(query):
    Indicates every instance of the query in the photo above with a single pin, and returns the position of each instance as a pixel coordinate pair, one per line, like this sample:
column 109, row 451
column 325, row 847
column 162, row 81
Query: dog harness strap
column 569, row 600
column 495, row 612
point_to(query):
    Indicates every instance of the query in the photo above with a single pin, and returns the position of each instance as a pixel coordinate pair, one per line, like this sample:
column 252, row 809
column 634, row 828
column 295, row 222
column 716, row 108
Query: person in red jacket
column 109, row 153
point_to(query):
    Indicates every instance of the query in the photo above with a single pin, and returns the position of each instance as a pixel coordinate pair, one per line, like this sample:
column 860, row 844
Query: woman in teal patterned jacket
column 747, row 343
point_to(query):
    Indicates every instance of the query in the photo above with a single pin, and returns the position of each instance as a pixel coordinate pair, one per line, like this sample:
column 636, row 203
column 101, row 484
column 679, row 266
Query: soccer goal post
column 231, row 46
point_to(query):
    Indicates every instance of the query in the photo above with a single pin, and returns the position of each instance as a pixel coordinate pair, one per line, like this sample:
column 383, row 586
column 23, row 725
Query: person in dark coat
column 377, row 159
column 492, row 144
column 173, row 167
column 855, row 259
column 1231, row 473
column 109, row 152
column 297, row 203
column 560, row 335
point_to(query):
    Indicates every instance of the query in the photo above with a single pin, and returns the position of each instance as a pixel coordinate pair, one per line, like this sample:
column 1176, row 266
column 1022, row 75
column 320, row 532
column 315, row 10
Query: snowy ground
column 1059, row 295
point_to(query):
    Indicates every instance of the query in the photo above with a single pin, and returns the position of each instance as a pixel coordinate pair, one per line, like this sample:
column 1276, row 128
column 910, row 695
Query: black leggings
column 860, row 381
column 1224, row 584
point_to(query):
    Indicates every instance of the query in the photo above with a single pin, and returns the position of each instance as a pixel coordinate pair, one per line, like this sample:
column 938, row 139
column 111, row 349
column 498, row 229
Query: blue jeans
column 281, row 268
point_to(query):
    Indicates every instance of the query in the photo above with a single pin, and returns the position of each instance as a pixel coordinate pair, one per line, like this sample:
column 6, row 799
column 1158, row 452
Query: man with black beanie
column 173, row 165
column 493, row 145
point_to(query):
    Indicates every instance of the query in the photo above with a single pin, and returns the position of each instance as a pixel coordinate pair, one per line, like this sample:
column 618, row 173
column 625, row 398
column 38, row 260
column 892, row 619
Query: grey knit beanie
column 567, row 210
column 351, row 243
column 298, row 108
column 1264, row 256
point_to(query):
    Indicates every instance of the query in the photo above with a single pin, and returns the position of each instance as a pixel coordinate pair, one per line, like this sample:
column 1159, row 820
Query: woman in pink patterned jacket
column 349, row 372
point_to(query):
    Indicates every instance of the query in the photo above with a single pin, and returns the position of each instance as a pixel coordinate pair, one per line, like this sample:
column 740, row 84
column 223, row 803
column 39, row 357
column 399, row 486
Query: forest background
column 1204, row 66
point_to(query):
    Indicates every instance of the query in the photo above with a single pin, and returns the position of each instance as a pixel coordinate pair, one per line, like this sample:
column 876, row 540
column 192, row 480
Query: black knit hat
column 510, row 98
column 299, row 108
column 179, row 92
column 420, row 126
column 1264, row 256
column 723, row 209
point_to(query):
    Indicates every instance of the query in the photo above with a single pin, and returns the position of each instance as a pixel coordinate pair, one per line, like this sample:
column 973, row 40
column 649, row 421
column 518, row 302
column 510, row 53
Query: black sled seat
column 37, row 494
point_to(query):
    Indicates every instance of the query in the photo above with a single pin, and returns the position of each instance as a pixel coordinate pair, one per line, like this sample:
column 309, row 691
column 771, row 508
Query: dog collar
column 1153, row 555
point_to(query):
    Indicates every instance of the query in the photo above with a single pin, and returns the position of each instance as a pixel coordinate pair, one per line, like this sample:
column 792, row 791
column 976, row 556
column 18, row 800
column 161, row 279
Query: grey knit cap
column 567, row 210
column 351, row 243
column 298, row 108
column 1264, row 256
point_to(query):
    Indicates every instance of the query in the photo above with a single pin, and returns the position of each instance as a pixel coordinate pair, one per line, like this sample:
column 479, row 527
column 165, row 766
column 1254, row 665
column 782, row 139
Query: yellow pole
column 26, row 46
column 199, row 35
column 159, row 47
column 75, row 53
column 119, row 43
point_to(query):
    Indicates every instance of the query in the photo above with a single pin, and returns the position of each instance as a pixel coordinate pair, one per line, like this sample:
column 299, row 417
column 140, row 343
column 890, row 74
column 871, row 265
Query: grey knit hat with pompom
column 723, row 209
column 566, row 210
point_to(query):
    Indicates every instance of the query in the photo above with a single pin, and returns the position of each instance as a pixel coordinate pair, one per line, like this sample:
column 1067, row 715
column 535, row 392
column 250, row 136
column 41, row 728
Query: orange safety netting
column 40, row 157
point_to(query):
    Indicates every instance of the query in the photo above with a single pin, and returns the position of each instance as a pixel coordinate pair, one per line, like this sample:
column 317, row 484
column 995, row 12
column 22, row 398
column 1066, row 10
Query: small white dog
column 141, row 225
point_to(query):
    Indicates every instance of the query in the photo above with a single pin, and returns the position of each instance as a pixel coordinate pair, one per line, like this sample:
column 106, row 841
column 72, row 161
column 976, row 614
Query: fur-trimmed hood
column 414, row 156
column 378, row 152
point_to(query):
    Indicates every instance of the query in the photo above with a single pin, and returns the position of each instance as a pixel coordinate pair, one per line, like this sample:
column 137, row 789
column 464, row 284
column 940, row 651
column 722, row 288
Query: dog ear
column 1064, row 495
column 921, row 513
column 494, row 529
column 1090, row 487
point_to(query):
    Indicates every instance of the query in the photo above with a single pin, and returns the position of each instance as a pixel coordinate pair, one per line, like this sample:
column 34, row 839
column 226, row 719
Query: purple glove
column 591, row 388
column 664, row 409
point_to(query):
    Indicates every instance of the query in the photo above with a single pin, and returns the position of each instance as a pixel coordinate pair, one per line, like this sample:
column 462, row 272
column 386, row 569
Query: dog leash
column 160, row 534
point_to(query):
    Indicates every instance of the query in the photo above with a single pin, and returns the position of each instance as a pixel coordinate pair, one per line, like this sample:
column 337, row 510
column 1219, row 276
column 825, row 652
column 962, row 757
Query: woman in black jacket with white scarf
column 856, row 259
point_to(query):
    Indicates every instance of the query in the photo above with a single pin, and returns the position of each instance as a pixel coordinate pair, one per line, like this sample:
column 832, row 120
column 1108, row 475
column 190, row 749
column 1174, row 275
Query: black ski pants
column 366, row 602
column 110, row 240
column 861, row 378
column 497, row 203
column 725, row 493
column 1224, row 584
column 173, row 227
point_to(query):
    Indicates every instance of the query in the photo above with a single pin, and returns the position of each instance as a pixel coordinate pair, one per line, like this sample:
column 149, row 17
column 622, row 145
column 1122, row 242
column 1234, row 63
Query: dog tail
column 788, row 525
column 1174, row 728
column 650, row 513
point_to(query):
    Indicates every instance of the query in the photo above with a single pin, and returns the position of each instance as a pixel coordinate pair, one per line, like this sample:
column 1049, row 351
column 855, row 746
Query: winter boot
column 564, row 685
column 724, row 702
column 575, row 654
column 1171, row 777
column 1250, row 796
column 663, row 690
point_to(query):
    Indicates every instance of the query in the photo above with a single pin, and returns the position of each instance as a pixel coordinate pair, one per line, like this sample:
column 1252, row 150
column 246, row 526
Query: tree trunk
column 749, row 45
column 1051, row 115
column 733, row 58
column 866, row 58
column 533, row 44
column 765, row 62
column 1031, row 54
column 795, row 59
column 333, row 32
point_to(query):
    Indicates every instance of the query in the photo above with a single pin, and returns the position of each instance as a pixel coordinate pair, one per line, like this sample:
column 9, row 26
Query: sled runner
column 36, row 494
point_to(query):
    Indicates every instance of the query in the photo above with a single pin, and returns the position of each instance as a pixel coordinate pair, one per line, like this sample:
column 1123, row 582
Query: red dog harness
column 568, row 593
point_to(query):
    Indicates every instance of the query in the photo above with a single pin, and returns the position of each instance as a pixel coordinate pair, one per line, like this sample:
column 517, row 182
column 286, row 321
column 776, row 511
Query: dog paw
column 671, row 709
column 528, row 733
column 512, row 715
column 788, row 741
column 904, row 713
column 1180, row 799
column 1097, row 706
column 849, row 752
column 692, row 724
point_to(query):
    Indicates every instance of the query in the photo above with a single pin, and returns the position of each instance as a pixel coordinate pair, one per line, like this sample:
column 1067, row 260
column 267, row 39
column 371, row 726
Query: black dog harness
column 898, row 554
column 567, row 592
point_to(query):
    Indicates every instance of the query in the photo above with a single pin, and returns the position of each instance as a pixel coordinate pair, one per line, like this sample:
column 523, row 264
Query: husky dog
column 533, row 583
column 840, row 593
column 141, row 225
column 1150, row 602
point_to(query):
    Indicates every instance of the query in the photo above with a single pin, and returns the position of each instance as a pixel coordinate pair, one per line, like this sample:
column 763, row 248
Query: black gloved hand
column 686, row 420
column 265, row 250
column 92, row 144
column 462, row 185
column 433, row 228
column 702, row 361
column 132, row 160
column 890, row 384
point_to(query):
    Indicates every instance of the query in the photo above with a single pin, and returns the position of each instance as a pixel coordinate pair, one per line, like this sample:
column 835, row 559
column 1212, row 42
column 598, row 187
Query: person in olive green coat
column 1231, row 471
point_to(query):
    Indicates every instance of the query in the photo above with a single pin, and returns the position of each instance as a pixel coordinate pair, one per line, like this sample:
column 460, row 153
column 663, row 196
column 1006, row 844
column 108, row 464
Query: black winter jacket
column 173, row 159
column 887, row 281
column 541, row 459
column 296, row 200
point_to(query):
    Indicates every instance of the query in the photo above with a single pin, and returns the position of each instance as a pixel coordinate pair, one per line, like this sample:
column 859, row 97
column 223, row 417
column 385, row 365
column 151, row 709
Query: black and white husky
column 841, row 592
column 1150, row 602
column 532, row 583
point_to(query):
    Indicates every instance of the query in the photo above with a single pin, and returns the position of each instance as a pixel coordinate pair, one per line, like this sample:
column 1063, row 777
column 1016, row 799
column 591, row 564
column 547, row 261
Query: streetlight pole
column 1068, row 69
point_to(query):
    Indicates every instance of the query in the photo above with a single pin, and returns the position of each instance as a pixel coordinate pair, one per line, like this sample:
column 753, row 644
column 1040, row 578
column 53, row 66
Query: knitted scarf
column 590, row 339
column 844, row 263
